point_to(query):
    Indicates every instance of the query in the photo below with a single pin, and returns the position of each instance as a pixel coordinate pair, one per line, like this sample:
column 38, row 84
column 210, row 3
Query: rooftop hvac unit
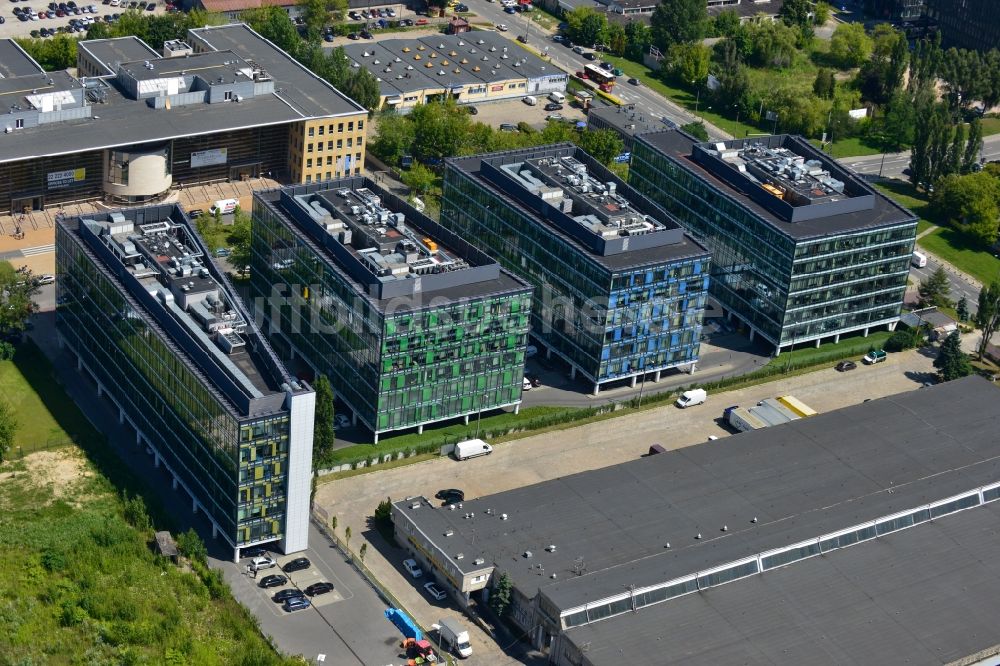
column 551, row 548
column 527, row 555
column 449, row 533
column 479, row 561
column 460, row 556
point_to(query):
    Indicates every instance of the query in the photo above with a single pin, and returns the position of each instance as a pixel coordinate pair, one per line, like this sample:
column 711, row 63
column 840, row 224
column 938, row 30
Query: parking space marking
column 338, row 584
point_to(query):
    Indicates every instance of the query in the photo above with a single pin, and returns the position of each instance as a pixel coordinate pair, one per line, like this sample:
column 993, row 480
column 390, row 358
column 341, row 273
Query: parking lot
column 534, row 459
column 14, row 27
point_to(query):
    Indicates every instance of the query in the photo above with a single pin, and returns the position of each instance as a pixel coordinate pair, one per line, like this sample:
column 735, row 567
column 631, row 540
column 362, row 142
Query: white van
column 224, row 206
column 557, row 97
column 692, row 397
column 919, row 259
column 530, row 100
column 472, row 448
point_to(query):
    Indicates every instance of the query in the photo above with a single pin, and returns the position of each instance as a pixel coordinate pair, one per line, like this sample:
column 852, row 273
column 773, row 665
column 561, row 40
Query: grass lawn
column 991, row 125
column 954, row 248
column 80, row 583
column 850, row 345
column 907, row 195
column 852, row 147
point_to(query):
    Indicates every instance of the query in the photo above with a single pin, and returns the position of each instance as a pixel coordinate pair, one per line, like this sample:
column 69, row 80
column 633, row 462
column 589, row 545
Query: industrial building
column 162, row 333
column 620, row 288
column 852, row 537
column 802, row 249
column 471, row 67
column 411, row 323
column 224, row 105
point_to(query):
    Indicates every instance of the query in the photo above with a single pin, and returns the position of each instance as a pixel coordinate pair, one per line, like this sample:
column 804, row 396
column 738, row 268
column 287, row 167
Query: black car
column 473, row 111
column 298, row 564
column 844, row 366
column 365, row 34
column 553, row 106
column 590, row 55
column 246, row 552
column 450, row 495
column 319, row 588
column 274, row 580
column 283, row 595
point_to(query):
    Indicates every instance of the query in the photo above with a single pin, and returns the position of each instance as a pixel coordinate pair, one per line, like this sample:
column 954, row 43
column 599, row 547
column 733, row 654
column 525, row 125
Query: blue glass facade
column 609, row 317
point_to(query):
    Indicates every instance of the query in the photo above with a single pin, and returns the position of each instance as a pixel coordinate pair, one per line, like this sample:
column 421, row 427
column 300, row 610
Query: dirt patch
column 60, row 471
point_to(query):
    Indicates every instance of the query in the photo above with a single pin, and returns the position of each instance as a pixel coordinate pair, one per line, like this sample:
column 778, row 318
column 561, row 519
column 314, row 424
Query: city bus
column 604, row 79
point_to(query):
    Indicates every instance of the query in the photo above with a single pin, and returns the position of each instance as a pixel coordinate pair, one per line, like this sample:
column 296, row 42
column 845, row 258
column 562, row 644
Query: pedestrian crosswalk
column 38, row 249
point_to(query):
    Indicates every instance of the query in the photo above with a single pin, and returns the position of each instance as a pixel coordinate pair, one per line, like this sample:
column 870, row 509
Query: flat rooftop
column 920, row 596
column 118, row 50
column 785, row 181
column 662, row 517
column 627, row 120
column 584, row 204
column 384, row 246
column 158, row 261
column 447, row 62
column 14, row 61
column 123, row 121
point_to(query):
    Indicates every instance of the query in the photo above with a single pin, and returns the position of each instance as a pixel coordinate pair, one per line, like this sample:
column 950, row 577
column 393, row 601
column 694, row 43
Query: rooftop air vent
column 527, row 555
column 551, row 548
column 460, row 556
column 415, row 505
column 503, row 516
column 478, row 561
column 449, row 533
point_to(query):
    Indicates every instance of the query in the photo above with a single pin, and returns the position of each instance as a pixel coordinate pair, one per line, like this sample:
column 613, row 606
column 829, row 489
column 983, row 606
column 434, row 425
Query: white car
column 526, row 384
column 340, row 421
column 434, row 591
column 263, row 562
column 391, row 12
column 530, row 351
column 47, row 279
column 502, row 27
column 413, row 568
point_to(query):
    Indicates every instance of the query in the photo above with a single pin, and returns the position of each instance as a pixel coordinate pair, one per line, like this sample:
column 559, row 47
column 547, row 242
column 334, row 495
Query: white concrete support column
column 777, row 351
column 236, row 555
column 817, row 343
column 517, row 408
column 866, row 332
column 752, row 334
column 729, row 315
column 156, row 460
column 892, row 326
column 376, row 439
column 138, row 438
column 121, row 416
column 79, row 364
column 836, row 338
column 656, row 377
column 100, row 390
column 635, row 379
column 572, row 372
column 466, row 419
column 548, row 353
column 420, row 429
column 174, row 483
column 694, row 366
column 215, row 530
column 354, row 418
column 61, row 341
column 597, row 389
column 194, row 505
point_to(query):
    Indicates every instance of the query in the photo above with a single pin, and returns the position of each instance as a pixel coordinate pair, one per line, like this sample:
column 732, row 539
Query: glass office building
column 619, row 287
column 411, row 323
column 152, row 320
column 802, row 249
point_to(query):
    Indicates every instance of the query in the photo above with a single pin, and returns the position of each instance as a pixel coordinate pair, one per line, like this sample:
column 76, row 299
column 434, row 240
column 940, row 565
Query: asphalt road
column 646, row 101
column 896, row 162
column 959, row 287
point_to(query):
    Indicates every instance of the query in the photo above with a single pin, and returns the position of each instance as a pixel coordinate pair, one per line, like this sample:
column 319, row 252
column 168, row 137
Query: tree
column 935, row 288
column 274, row 23
column 850, row 46
column 383, row 512
column 796, row 13
column 347, row 536
column 616, row 38
column 897, row 124
column 825, row 83
column 315, row 16
column 678, row 21
column 54, row 53
column 697, row 130
column 239, row 237
column 604, row 145
column 8, row 429
column 333, row 524
column 973, row 146
column 903, row 338
column 821, row 13
column 768, row 44
column 988, row 315
column 962, row 309
column 638, row 37
column 324, row 436
column 500, row 596
column 439, row 130
column 689, row 62
column 882, row 76
column 393, row 139
column 726, row 23
column 971, row 203
column 584, row 25
column 362, row 552
column 191, row 546
column 419, row 178
column 17, row 289
column 952, row 362
column 362, row 86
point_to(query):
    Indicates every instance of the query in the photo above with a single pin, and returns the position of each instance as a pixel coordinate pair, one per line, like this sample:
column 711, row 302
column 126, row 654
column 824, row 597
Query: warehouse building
column 470, row 68
column 852, row 537
column 802, row 249
column 411, row 323
column 161, row 331
column 620, row 288
column 224, row 105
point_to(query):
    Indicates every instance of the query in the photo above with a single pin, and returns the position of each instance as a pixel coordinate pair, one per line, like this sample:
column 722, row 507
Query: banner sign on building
column 496, row 88
column 57, row 179
column 208, row 157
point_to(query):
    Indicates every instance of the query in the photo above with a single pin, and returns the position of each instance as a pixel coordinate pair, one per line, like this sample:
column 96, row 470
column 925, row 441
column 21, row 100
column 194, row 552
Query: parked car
column 435, row 592
column 502, row 27
column 341, row 421
column 450, row 496
column 530, row 351
column 634, row 82
column 461, row 7
column 47, row 279
column 319, row 588
column 285, row 595
column 296, row 604
column 508, row 127
column 413, row 568
column 875, row 356
column 328, row 37
column 222, row 252
column 844, row 366
column 353, row 35
column 255, row 551
column 553, row 106
column 273, row 580
column 510, row 10
column 298, row 564
column 590, row 55
column 365, row 34
column 473, row 111
column 525, row 384
column 421, row 21
column 556, row 117
column 263, row 562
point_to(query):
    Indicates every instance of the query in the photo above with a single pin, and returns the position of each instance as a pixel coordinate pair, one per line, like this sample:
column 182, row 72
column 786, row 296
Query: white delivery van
column 919, row 259
column 530, row 100
column 224, row 206
column 455, row 636
column 472, row 448
column 692, row 397
column 557, row 97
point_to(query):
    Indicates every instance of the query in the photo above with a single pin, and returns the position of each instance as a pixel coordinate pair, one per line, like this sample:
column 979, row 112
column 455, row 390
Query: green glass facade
column 788, row 289
column 608, row 323
column 234, row 466
column 398, row 363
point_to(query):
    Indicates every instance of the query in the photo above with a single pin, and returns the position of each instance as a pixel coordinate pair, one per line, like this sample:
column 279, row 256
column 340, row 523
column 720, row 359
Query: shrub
column 192, row 547
column 383, row 513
